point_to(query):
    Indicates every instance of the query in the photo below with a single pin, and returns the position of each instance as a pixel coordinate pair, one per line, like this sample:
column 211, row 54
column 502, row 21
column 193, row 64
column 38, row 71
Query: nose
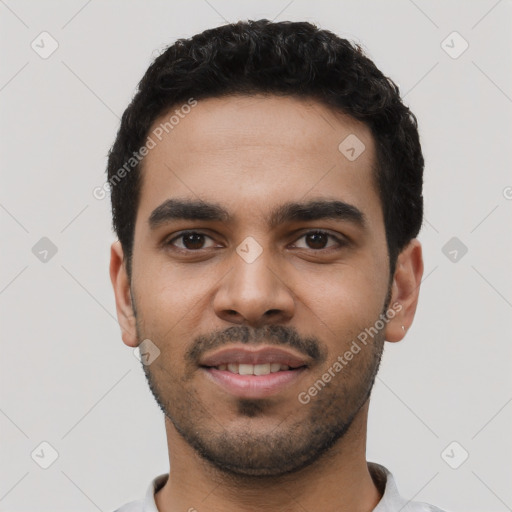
column 254, row 294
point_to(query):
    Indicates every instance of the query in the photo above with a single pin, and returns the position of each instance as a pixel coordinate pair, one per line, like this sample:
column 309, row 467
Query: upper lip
column 254, row 355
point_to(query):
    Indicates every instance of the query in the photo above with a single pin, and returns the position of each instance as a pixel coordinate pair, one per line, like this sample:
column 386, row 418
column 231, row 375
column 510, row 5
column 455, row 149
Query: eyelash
column 340, row 242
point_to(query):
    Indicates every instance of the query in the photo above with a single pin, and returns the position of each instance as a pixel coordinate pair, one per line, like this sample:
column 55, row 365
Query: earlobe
column 405, row 290
column 121, row 286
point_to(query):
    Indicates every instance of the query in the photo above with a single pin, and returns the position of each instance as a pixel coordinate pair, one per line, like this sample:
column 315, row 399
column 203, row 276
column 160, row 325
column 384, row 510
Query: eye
column 190, row 240
column 317, row 240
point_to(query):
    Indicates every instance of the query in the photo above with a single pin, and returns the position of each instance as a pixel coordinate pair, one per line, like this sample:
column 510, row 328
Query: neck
column 338, row 481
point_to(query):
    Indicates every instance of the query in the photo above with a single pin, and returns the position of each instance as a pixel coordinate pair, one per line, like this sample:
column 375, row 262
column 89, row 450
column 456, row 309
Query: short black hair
column 286, row 59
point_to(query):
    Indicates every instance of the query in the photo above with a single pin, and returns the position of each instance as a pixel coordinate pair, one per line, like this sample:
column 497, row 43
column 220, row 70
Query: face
column 260, row 247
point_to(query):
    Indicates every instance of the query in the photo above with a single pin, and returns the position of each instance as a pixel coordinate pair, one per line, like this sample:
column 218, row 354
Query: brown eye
column 193, row 241
column 190, row 240
column 318, row 240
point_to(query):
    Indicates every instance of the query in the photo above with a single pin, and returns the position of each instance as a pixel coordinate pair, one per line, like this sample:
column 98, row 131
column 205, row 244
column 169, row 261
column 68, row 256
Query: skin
column 250, row 155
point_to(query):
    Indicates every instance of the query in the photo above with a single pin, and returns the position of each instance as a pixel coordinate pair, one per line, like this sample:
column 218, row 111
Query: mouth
column 251, row 385
column 254, row 373
column 253, row 369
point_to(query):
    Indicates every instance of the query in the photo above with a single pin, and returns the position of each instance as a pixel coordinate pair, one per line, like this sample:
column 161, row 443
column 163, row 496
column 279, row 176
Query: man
column 266, row 186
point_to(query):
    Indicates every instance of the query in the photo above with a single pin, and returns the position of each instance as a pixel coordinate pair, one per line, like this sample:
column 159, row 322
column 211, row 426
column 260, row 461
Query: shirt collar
column 391, row 500
column 156, row 484
column 381, row 476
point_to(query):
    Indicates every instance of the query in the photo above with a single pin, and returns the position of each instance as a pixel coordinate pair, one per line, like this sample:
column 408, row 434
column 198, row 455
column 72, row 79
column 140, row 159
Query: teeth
column 245, row 369
column 253, row 369
column 261, row 369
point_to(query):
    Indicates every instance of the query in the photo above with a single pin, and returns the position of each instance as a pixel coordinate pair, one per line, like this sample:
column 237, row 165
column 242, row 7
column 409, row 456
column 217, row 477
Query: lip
column 253, row 386
column 254, row 355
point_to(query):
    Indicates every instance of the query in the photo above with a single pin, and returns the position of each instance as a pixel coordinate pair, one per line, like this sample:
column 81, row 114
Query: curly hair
column 287, row 59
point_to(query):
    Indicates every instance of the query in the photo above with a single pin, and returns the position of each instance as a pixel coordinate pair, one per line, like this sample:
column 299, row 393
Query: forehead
column 252, row 153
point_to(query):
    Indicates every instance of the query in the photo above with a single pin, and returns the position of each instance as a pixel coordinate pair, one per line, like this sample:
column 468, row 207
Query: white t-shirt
column 391, row 500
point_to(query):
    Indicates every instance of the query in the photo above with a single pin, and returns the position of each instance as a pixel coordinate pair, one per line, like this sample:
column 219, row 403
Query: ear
column 405, row 290
column 121, row 285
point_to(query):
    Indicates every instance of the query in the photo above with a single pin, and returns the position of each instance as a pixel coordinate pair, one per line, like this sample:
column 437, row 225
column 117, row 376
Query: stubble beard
column 290, row 445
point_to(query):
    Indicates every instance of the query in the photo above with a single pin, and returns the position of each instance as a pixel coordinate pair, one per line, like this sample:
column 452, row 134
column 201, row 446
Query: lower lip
column 253, row 386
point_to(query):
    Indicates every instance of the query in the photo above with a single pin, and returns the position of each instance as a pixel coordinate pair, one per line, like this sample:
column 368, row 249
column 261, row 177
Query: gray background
column 66, row 377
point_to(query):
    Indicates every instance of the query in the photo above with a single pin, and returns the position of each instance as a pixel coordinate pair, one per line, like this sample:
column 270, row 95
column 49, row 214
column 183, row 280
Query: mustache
column 270, row 334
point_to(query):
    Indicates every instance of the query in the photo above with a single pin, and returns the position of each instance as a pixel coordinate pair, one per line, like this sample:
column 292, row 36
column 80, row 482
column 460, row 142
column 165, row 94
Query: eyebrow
column 189, row 209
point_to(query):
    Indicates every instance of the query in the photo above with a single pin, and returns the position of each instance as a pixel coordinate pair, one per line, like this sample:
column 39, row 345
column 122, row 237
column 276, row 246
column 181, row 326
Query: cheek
column 170, row 302
column 345, row 300
column 169, row 285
